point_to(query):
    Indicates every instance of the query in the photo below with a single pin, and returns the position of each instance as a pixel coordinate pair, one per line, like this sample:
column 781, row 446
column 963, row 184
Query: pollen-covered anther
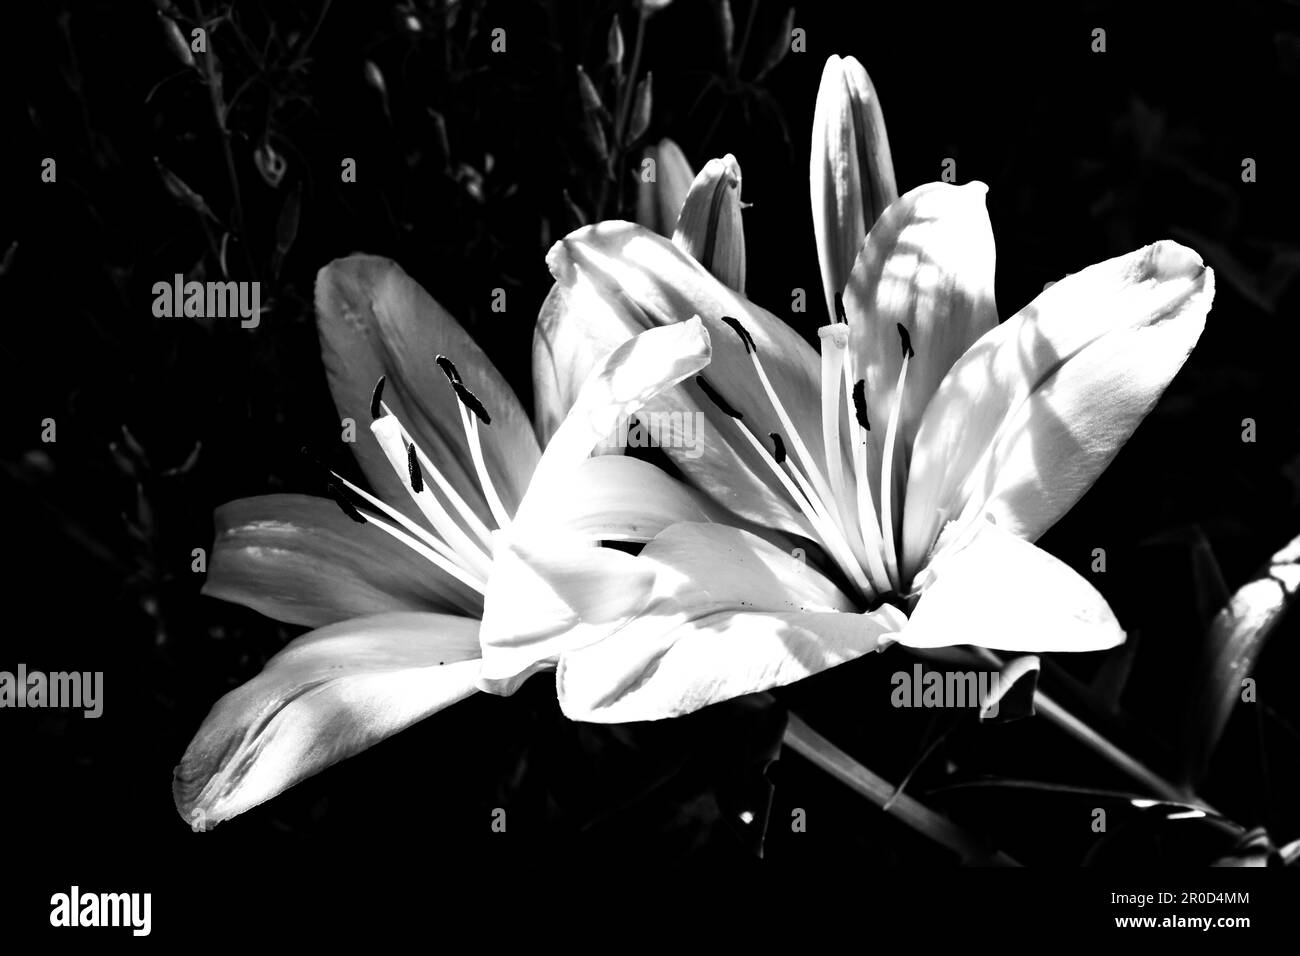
column 740, row 330
column 860, row 403
column 413, row 468
column 467, row 398
column 840, row 315
column 377, row 398
column 906, row 340
column 778, row 447
column 347, row 507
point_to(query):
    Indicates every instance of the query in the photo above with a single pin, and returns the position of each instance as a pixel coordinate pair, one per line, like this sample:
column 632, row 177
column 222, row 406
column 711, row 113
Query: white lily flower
column 921, row 453
column 393, row 581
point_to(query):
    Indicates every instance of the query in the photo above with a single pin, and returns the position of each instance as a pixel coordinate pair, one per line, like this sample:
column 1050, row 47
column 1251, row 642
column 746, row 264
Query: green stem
column 825, row 755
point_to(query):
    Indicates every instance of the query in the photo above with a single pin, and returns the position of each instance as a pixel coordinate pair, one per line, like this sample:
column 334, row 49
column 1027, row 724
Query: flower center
column 837, row 492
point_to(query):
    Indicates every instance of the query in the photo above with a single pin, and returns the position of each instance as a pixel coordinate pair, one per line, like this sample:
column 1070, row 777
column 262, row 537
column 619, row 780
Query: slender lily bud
column 614, row 45
column 593, row 115
column 663, row 180
column 852, row 173
column 710, row 228
column 176, row 40
column 642, row 103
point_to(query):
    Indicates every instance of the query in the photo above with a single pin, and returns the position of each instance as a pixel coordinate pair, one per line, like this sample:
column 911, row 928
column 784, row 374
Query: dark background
column 1087, row 156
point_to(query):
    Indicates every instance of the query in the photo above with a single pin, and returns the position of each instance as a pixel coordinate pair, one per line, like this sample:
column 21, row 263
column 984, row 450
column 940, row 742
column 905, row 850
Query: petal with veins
column 376, row 320
column 300, row 560
column 1033, row 412
column 328, row 695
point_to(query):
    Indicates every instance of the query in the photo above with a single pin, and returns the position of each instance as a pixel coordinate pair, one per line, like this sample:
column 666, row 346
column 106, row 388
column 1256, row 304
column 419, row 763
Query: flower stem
column 823, row 754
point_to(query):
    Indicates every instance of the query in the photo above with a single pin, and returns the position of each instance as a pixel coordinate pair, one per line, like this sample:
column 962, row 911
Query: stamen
column 860, row 403
column 746, row 339
column 840, row 314
column 717, row 399
column 834, row 346
column 907, row 340
column 887, row 468
column 394, row 442
column 494, row 502
column 467, row 398
column 805, row 499
column 377, row 398
column 455, row 570
column 347, row 507
column 778, row 447
column 413, row 467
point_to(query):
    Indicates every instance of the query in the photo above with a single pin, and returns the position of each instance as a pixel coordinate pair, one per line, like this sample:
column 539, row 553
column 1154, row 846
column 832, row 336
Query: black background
column 1087, row 156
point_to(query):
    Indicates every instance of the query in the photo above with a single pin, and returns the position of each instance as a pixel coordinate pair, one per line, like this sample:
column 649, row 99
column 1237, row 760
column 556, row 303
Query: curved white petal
column 1028, row 418
column 1001, row 592
column 328, row 695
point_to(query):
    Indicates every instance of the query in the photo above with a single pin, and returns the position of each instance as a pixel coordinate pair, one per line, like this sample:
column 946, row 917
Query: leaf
column 1233, row 643
column 1012, row 694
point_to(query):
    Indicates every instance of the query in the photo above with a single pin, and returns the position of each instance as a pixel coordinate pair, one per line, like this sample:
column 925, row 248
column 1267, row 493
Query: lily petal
column 376, row 320
column 851, row 171
column 1029, row 417
column 328, row 695
column 300, row 560
column 628, row 377
column 729, row 614
column 659, row 200
column 926, row 265
column 1001, row 592
column 617, row 278
column 617, row 498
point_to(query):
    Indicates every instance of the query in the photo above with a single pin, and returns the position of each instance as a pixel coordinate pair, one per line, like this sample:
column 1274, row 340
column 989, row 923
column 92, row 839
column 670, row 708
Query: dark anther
column 840, row 314
column 448, row 369
column 778, row 448
column 907, row 341
column 860, row 403
column 341, row 499
column 413, row 466
column 717, row 399
column 377, row 396
column 743, row 332
column 467, row 398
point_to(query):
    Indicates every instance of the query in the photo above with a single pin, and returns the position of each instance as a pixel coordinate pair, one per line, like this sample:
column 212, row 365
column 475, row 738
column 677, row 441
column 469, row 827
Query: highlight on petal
column 706, row 612
column 710, row 228
column 1028, row 418
column 376, row 320
column 659, row 199
column 300, row 560
column 328, row 695
column 621, row 384
column 1001, row 592
column 927, row 265
column 851, row 170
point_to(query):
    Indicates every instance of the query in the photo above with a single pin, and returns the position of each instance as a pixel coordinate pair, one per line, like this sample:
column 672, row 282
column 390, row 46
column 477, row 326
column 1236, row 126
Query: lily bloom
column 911, row 460
column 393, row 581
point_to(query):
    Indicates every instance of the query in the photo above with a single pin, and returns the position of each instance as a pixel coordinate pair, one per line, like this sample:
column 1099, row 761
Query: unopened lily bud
column 710, row 228
column 641, row 106
column 663, row 180
column 593, row 115
column 176, row 40
column 852, row 172
column 614, row 45
column 726, row 27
